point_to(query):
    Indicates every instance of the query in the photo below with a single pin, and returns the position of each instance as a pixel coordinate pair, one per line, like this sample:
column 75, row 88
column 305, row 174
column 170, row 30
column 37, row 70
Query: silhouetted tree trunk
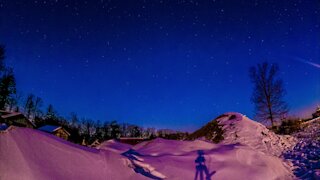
column 268, row 93
column 98, row 131
column 115, row 130
column 88, row 129
column 7, row 88
column 29, row 105
column 74, row 120
column 2, row 57
column 7, row 82
column 37, row 107
column 15, row 102
column 51, row 114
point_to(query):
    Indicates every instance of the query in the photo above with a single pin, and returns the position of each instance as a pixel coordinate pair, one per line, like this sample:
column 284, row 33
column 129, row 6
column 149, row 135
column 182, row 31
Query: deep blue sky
column 166, row 64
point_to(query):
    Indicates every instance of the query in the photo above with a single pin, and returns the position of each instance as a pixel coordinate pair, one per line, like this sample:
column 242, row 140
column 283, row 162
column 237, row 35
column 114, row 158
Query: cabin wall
column 62, row 134
column 18, row 121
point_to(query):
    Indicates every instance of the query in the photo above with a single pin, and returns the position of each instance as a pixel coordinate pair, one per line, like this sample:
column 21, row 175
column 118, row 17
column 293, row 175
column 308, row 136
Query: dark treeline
column 86, row 130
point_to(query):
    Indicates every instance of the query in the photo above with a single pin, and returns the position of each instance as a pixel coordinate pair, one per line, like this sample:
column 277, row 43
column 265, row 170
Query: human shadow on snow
column 202, row 172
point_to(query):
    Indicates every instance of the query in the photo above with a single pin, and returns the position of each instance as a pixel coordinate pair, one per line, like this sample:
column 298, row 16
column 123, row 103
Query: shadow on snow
column 131, row 155
column 202, row 172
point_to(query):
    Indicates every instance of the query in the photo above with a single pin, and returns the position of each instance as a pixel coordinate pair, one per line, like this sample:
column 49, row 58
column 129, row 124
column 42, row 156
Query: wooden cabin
column 55, row 130
column 15, row 119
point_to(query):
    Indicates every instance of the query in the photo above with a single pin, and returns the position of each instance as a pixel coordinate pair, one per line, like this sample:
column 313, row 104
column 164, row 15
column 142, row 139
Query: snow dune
column 233, row 161
column 114, row 146
column 31, row 154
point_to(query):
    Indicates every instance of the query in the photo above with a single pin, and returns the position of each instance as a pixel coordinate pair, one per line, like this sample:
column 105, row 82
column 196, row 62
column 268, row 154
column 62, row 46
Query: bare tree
column 268, row 93
column 115, row 129
column 88, row 130
column 7, row 82
column 37, row 107
column 2, row 57
column 29, row 105
column 7, row 88
column 15, row 102
column 74, row 120
column 51, row 113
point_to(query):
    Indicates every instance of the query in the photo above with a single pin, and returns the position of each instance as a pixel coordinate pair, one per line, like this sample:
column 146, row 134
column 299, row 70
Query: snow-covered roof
column 49, row 128
column 7, row 114
column 11, row 114
column 52, row 129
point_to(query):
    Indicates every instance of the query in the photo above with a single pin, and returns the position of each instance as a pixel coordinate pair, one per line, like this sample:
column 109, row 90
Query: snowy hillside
column 30, row 154
column 237, row 128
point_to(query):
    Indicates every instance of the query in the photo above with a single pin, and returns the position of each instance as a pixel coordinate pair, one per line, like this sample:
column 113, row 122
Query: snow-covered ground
column 31, row 154
column 180, row 160
column 172, row 159
column 249, row 151
column 305, row 156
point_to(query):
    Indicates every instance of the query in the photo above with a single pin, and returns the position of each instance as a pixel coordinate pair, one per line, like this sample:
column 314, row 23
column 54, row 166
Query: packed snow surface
column 31, row 154
column 305, row 156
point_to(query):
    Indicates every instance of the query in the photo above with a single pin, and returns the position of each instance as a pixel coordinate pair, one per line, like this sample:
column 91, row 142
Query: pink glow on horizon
column 307, row 111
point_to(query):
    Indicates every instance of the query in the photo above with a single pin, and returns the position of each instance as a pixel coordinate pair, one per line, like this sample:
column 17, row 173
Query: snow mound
column 240, row 129
column 114, row 145
column 231, row 128
column 31, row 154
column 185, row 159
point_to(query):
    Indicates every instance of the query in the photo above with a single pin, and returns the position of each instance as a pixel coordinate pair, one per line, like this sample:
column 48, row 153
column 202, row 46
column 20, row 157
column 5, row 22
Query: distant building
column 15, row 119
column 131, row 140
column 317, row 113
column 55, row 130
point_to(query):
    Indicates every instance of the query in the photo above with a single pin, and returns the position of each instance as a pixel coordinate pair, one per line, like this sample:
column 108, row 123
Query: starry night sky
column 165, row 64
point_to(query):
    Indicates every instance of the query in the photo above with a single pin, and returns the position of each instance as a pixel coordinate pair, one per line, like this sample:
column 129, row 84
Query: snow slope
column 31, row 154
column 176, row 160
column 172, row 147
column 114, row 146
column 237, row 128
